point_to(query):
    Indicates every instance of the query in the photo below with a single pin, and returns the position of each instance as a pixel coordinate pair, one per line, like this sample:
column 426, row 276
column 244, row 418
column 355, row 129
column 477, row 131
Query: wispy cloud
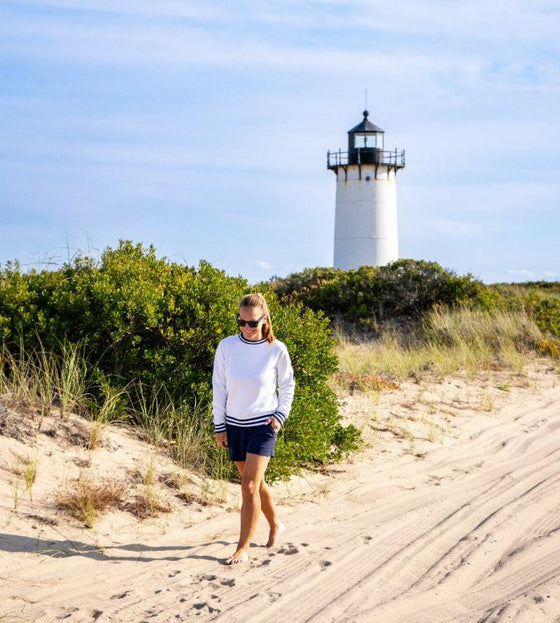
column 456, row 229
column 188, row 9
column 182, row 45
column 222, row 113
column 521, row 273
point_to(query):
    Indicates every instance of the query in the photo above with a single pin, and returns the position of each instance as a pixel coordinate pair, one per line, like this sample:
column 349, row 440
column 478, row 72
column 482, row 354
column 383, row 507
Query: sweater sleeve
column 286, row 386
column 219, row 391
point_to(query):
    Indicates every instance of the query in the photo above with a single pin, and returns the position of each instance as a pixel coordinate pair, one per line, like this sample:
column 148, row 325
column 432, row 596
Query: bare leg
column 269, row 510
column 252, row 475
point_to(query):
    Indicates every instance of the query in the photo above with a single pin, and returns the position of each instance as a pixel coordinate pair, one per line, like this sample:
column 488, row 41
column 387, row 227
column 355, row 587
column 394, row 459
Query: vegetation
column 132, row 337
column 86, row 499
column 445, row 341
column 371, row 300
column 368, row 296
column 540, row 300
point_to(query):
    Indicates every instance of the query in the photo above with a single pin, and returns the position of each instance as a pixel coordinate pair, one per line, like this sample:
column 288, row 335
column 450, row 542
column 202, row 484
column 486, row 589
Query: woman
column 253, row 386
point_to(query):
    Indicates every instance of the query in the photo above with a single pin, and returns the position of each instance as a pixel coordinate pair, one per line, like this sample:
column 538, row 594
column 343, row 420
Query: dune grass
column 85, row 499
column 446, row 342
column 40, row 383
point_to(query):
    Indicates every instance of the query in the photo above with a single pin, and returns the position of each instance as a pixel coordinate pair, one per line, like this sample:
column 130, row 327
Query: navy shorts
column 253, row 439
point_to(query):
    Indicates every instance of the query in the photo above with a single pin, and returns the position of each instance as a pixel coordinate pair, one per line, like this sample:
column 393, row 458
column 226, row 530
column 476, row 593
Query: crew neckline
column 250, row 341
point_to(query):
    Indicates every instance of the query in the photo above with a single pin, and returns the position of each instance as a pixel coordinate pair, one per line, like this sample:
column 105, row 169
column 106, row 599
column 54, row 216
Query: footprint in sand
column 120, row 595
column 197, row 579
column 230, row 582
column 289, row 549
column 206, row 607
column 272, row 597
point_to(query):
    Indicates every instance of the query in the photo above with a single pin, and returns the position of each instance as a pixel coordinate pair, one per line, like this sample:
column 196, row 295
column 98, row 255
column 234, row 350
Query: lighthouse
column 365, row 229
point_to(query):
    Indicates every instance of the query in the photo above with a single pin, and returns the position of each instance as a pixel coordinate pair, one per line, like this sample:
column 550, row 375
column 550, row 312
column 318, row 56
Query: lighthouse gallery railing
column 366, row 156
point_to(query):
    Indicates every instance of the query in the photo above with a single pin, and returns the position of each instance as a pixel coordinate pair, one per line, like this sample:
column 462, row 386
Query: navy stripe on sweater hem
column 247, row 423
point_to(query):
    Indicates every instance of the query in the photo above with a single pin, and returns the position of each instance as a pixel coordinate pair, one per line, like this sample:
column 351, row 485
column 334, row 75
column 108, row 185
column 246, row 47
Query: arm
column 219, row 397
column 286, row 386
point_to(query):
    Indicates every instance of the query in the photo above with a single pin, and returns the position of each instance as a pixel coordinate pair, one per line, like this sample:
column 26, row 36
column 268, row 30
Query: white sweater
column 251, row 382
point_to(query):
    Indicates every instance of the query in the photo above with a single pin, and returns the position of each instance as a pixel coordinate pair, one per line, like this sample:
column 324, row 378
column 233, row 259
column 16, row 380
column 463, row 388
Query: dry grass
column 350, row 382
column 448, row 341
column 28, row 471
column 192, row 498
column 86, row 498
column 490, row 352
column 145, row 505
column 177, row 482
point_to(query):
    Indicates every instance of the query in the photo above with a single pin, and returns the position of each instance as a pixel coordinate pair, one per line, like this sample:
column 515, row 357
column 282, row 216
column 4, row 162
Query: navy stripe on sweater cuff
column 280, row 417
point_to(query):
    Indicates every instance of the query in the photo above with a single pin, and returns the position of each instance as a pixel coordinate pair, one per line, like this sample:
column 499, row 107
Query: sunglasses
column 252, row 323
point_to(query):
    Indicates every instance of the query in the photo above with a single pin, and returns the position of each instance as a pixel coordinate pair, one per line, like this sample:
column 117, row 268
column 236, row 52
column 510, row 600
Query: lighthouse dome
column 365, row 142
column 365, row 126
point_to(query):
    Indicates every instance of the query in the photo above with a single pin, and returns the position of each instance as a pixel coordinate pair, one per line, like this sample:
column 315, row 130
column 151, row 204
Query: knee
column 249, row 488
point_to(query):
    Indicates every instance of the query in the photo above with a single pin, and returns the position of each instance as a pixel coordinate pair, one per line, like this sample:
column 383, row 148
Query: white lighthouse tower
column 365, row 230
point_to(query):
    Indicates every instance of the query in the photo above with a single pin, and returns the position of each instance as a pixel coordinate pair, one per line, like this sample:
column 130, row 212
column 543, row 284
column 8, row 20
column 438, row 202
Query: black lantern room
column 365, row 146
column 365, row 143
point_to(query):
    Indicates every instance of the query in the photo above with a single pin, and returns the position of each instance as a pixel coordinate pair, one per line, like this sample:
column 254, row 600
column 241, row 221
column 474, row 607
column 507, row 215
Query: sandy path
column 471, row 533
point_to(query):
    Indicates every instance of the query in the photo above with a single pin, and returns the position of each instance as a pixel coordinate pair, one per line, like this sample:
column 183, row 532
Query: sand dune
column 470, row 532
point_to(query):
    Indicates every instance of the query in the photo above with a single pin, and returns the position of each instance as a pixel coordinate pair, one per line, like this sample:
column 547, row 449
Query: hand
column 221, row 439
column 276, row 426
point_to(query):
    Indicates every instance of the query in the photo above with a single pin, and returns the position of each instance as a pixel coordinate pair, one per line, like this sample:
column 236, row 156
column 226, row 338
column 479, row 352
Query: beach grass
column 469, row 341
column 86, row 498
column 447, row 341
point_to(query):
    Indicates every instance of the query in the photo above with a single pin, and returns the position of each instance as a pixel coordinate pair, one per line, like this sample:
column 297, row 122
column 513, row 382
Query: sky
column 201, row 128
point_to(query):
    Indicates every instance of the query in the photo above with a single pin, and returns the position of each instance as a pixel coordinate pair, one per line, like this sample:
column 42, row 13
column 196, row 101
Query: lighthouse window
column 368, row 140
column 362, row 141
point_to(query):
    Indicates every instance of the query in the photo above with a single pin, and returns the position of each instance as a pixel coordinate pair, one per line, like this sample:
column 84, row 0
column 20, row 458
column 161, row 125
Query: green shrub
column 149, row 328
column 546, row 314
column 539, row 299
column 402, row 289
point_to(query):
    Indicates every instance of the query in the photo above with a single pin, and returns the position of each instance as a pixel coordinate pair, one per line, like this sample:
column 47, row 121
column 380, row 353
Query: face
column 251, row 313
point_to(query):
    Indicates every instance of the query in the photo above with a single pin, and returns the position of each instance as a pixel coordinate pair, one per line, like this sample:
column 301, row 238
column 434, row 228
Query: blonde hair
column 258, row 300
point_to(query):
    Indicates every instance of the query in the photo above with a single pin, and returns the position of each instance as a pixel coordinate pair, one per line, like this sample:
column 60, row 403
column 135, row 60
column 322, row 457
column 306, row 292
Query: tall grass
column 185, row 429
column 70, row 380
column 41, row 381
column 445, row 342
column 17, row 383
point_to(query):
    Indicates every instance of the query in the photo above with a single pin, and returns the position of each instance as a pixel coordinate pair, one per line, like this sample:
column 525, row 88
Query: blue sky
column 202, row 128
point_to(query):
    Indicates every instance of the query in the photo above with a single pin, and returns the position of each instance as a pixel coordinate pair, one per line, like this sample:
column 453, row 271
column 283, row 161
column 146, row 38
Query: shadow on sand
column 65, row 547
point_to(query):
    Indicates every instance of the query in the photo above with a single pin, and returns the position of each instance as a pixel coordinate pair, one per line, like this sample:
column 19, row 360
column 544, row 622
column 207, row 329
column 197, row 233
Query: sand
column 450, row 513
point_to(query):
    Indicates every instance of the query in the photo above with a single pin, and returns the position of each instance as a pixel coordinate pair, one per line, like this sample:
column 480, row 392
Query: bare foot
column 238, row 558
column 274, row 535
